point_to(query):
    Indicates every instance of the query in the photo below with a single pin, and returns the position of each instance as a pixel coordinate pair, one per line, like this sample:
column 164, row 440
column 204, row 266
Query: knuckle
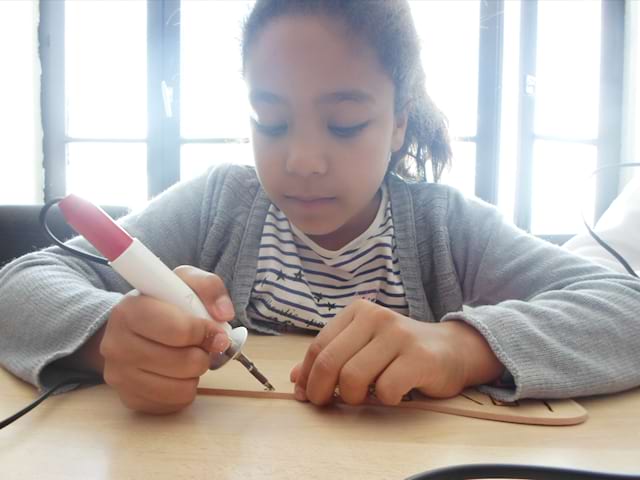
column 197, row 362
column 315, row 349
column 361, row 304
column 352, row 389
column 401, row 332
column 325, row 364
column 183, row 270
column 380, row 316
column 350, row 380
column 111, row 348
column 215, row 282
column 190, row 334
column 111, row 376
column 184, row 331
column 107, row 347
column 119, row 311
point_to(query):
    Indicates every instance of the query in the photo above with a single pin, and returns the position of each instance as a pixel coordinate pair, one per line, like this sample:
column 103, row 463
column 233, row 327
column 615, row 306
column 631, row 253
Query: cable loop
column 78, row 253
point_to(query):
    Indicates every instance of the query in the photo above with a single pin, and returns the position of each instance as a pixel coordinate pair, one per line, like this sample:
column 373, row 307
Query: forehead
column 312, row 55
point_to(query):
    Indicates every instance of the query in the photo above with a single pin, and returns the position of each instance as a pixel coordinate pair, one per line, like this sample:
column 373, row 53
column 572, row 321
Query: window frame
column 163, row 135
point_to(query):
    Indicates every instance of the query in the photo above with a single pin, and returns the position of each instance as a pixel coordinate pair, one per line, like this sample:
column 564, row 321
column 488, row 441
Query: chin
column 314, row 227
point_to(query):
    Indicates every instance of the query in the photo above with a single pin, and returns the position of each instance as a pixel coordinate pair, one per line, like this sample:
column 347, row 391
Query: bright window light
column 213, row 96
column 106, row 69
column 449, row 34
column 108, row 173
column 20, row 128
column 568, row 69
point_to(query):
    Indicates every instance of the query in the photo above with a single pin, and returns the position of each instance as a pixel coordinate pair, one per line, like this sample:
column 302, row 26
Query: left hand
column 368, row 344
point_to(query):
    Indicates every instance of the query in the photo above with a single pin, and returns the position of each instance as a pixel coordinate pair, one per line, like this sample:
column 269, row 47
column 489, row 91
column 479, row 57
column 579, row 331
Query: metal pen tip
column 253, row 370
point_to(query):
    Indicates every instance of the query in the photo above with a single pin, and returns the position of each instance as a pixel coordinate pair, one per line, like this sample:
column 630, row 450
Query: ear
column 400, row 122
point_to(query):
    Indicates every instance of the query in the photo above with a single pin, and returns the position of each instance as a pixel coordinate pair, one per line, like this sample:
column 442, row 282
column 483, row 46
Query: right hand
column 154, row 352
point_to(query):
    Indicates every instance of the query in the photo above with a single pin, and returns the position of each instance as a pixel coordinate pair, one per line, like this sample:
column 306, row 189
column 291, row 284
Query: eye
column 347, row 132
column 270, row 130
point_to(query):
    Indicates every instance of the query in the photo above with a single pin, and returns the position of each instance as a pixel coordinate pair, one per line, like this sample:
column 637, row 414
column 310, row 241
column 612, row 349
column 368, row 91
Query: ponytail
column 426, row 140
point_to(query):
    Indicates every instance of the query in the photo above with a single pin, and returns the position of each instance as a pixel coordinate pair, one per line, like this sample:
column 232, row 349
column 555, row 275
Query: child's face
column 323, row 125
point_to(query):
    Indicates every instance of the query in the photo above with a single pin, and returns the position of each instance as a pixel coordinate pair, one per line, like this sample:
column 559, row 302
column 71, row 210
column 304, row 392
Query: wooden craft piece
column 234, row 380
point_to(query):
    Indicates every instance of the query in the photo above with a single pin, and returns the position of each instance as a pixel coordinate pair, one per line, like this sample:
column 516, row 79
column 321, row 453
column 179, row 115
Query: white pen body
column 146, row 273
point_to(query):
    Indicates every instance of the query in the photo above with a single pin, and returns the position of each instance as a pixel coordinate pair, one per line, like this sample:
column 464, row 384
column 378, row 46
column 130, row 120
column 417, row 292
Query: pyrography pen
column 147, row 274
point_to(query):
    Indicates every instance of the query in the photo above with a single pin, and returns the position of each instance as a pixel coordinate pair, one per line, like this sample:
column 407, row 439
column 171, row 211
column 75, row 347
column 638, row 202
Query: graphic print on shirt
column 299, row 284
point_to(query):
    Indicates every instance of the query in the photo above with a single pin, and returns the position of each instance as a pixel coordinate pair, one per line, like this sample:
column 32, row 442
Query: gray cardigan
column 562, row 326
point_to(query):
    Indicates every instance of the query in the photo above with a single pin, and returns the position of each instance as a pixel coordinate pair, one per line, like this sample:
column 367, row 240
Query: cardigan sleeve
column 52, row 302
column 560, row 324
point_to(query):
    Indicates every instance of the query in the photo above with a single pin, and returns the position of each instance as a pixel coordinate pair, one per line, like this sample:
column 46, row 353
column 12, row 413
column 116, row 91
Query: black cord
column 79, row 253
column 525, row 472
column 601, row 242
column 85, row 380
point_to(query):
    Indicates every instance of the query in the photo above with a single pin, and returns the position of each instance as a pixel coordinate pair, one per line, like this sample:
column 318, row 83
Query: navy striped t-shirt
column 302, row 285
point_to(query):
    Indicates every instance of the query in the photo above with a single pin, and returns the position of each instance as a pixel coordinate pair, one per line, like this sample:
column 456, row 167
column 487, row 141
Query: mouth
column 310, row 201
column 309, row 198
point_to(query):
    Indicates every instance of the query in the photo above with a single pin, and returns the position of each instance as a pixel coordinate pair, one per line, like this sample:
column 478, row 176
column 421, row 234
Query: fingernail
column 221, row 342
column 300, row 394
column 225, row 307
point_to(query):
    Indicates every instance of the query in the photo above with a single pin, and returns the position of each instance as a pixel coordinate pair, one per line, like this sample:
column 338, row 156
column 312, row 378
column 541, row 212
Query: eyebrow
column 265, row 97
column 358, row 96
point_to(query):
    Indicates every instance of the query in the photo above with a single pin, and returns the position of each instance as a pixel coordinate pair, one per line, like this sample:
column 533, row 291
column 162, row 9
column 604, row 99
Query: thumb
column 211, row 291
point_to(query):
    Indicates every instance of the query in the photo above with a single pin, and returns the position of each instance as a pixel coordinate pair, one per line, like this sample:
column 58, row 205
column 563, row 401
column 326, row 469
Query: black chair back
column 21, row 233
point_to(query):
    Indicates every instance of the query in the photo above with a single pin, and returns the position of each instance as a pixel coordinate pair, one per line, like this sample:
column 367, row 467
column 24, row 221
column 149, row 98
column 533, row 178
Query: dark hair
column 388, row 27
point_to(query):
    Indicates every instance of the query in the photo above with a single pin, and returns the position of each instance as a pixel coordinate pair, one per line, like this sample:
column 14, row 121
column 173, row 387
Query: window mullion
column 489, row 99
column 527, row 85
column 610, row 117
column 163, row 56
column 52, row 98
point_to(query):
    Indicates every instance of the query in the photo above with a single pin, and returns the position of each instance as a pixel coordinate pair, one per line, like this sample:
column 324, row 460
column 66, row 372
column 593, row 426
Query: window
column 20, row 131
column 105, row 89
column 213, row 106
column 450, row 37
column 522, row 83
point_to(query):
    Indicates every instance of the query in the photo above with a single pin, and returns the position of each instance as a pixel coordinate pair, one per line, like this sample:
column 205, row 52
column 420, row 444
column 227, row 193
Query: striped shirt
column 299, row 284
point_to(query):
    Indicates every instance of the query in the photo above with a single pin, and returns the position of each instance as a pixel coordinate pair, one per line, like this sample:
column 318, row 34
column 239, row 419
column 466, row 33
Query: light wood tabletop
column 88, row 434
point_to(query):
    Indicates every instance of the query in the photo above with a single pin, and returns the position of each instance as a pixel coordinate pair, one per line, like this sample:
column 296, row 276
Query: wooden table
column 88, row 434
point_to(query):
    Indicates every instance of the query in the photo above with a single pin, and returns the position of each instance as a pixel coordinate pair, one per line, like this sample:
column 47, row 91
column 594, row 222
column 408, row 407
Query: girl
column 410, row 284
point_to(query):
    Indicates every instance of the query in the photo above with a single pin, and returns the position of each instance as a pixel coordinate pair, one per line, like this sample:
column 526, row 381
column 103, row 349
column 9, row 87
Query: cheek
column 370, row 155
column 265, row 158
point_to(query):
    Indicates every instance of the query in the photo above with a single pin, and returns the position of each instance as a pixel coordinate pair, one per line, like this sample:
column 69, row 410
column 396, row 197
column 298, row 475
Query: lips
column 308, row 203
column 310, row 198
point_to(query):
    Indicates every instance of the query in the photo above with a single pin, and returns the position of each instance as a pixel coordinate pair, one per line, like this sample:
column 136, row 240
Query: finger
column 326, row 335
column 211, row 291
column 295, row 372
column 365, row 367
column 325, row 370
column 166, row 324
column 175, row 362
column 139, row 404
column 150, row 386
column 397, row 380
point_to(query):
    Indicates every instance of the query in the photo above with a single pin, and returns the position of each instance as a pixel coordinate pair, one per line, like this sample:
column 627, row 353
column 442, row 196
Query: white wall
column 21, row 178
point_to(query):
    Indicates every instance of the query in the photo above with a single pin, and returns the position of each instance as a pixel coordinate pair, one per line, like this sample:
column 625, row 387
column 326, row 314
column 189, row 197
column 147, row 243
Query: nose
column 306, row 157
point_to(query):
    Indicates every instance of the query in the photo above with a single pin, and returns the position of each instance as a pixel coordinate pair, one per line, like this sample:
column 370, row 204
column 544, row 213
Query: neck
column 352, row 229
